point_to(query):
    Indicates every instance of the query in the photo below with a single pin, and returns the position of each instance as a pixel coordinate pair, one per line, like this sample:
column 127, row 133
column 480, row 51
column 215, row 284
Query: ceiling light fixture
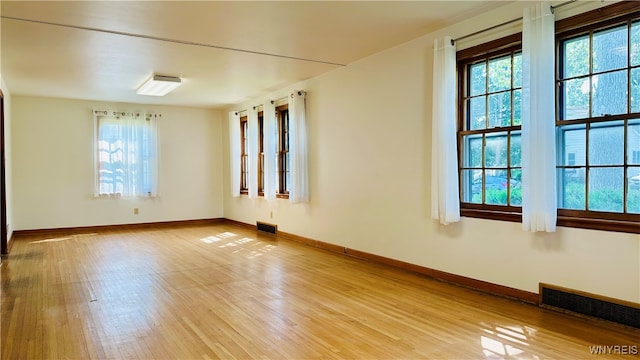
column 159, row 85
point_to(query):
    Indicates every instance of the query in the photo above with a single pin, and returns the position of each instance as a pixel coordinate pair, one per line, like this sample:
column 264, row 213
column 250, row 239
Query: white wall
column 369, row 125
column 53, row 152
column 8, row 156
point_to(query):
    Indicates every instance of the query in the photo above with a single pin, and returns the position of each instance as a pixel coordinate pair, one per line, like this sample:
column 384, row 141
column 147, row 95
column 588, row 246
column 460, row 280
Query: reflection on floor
column 226, row 292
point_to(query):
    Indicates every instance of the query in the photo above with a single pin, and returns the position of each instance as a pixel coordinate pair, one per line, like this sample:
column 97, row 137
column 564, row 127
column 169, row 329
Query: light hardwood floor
column 221, row 291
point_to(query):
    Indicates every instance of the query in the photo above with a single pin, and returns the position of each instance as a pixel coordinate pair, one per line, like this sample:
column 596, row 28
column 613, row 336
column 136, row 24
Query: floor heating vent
column 601, row 307
column 266, row 227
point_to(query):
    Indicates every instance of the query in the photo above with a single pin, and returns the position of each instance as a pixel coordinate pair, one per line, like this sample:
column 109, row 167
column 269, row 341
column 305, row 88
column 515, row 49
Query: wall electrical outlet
column 136, row 211
column 271, row 214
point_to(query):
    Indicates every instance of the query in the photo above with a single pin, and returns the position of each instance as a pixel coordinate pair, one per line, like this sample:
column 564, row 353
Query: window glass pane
column 500, row 109
column 635, row 43
column 610, row 49
column 576, row 57
column 572, row 194
column 478, row 78
column 516, row 150
column 517, row 107
column 495, row 187
column 635, row 90
column 633, row 142
column 575, row 98
column 287, row 175
column 495, row 151
column 515, row 197
column 285, row 141
column 633, row 190
column 473, row 153
column 606, row 189
column 477, row 116
column 500, row 74
column 517, row 70
column 472, row 186
column 606, row 143
column 573, row 145
column 609, row 93
column 288, row 182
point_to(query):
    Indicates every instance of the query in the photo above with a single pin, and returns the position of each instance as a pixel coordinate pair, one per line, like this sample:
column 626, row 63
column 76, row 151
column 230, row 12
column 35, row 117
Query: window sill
column 625, row 226
column 631, row 227
column 124, row 197
column 491, row 214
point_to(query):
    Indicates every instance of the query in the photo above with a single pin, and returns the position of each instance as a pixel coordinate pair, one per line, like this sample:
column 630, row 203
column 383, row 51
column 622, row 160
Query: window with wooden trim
column 598, row 119
column 490, row 92
column 244, row 155
column 260, row 153
column 284, row 158
column 126, row 154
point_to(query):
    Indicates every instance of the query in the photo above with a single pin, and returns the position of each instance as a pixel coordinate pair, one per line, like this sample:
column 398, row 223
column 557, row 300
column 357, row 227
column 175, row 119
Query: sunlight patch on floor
column 238, row 242
column 215, row 238
column 63, row 238
column 502, row 341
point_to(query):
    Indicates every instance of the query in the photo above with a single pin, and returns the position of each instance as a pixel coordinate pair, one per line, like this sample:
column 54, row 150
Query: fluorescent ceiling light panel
column 159, row 85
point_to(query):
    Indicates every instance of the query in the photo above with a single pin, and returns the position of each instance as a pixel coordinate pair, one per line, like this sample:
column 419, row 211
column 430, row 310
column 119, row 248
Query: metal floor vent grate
column 618, row 311
column 266, row 227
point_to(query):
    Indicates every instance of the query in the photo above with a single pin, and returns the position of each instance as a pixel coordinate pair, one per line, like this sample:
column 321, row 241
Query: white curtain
column 539, row 201
column 126, row 156
column 270, row 150
column 252, row 122
column 299, row 187
column 234, row 152
column 150, row 154
column 445, row 199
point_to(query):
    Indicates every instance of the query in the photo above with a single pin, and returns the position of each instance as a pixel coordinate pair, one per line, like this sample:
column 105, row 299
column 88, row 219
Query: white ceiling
column 106, row 49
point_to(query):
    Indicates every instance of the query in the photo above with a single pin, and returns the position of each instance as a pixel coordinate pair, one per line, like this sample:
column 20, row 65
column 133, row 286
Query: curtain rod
column 553, row 8
column 123, row 113
column 300, row 92
column 256, row 107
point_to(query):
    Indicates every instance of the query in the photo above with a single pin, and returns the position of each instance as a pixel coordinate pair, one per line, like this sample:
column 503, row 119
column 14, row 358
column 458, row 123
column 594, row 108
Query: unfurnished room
column 320, row 179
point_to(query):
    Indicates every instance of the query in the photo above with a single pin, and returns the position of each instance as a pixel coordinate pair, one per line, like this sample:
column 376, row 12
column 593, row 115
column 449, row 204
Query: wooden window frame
column 596, row 19
column 283, row 150
column 244, row 155
column 588, row 23
column 508, row 46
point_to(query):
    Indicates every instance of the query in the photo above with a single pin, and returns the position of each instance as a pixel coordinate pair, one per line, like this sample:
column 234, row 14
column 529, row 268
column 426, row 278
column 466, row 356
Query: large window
column 284, row 158
column 244, row 155
column 490, row 79
column 598, row 120
column 125, row 154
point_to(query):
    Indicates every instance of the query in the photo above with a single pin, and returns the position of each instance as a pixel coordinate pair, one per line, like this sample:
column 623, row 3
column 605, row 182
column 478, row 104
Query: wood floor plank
column 224, row 292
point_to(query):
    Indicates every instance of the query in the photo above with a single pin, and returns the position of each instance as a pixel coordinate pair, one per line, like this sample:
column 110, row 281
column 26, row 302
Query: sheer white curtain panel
column 539, row 201
column 445, row 199
column 234, row 152
column 270, row 150
column 126, row 154
column 252, row 122
column 299, row 187
column 151, row 154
